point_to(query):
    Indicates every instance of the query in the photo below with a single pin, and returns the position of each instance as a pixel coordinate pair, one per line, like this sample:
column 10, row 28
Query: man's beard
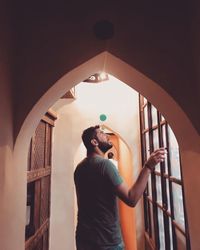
column 105, row 146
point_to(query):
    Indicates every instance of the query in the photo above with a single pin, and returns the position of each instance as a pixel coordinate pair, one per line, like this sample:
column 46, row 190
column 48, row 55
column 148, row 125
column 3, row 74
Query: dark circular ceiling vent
column 104, row 30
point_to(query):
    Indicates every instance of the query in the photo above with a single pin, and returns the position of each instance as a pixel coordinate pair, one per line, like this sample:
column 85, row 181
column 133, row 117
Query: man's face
column 103, row 141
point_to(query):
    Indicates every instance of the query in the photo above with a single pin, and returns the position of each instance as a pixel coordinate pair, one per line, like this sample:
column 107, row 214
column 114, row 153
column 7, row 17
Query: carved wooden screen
column 166, row 225
column 38, row 185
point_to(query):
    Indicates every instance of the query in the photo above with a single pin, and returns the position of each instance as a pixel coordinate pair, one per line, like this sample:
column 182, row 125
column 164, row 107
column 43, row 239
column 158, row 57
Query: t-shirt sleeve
column 111, row 173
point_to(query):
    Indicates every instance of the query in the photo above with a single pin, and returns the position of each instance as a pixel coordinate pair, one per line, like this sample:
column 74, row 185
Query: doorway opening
column 121, row 70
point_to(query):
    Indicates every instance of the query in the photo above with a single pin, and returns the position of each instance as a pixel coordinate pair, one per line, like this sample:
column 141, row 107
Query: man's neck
column 96, row 152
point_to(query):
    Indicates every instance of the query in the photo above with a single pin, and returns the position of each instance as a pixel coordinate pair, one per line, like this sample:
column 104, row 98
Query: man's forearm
column 139, row 186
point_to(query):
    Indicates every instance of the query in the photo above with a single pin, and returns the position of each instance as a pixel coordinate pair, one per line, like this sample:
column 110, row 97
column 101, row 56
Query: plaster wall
column 10, row 177
column 11, row 201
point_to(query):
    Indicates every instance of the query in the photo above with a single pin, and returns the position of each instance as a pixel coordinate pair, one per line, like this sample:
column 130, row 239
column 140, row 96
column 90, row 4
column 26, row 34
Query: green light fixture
column 103, row 117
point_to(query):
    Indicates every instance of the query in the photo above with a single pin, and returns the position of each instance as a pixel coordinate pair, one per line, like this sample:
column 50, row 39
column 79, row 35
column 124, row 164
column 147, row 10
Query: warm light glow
column 112, row 97
column 103, row 76
column 97, row 78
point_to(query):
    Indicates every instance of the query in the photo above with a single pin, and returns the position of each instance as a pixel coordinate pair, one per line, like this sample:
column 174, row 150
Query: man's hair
column 88, row 135
column 110, row 155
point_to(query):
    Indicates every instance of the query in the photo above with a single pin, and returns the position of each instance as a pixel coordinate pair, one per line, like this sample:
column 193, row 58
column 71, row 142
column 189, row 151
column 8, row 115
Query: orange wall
column 127, row 214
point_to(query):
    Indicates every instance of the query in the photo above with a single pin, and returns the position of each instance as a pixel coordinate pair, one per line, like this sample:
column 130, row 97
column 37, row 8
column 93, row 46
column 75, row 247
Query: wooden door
column 38, row 185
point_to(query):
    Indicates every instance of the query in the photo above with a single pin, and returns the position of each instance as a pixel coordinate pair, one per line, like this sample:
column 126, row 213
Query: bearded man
column 98, row 185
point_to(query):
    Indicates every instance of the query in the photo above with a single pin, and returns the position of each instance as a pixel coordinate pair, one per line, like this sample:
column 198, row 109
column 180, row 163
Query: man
column 98, row 184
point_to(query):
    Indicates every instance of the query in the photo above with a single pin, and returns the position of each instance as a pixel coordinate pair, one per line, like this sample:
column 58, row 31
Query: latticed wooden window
column 38, row 185
column 166, row 225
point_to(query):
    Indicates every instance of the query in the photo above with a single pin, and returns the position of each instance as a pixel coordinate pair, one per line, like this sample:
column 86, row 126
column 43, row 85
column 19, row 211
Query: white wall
column 120, row 103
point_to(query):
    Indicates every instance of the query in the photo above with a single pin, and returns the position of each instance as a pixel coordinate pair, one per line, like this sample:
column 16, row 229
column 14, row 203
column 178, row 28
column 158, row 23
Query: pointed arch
column 186, row 135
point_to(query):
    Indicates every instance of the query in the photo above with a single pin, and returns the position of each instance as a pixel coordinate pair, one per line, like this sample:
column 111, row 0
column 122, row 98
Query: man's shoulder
column 104, row 162
column 80, row 164
column 99, row 161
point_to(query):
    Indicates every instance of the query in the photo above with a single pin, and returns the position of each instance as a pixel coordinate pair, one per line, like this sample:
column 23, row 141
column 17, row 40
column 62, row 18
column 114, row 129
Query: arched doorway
column 76, row 115
column 186, row 134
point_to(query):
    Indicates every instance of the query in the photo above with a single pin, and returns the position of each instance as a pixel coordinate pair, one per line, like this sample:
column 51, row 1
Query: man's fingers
column 159, row 149
column 159, row 154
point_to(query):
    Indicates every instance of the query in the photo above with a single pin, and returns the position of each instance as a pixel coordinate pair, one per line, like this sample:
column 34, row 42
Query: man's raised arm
column 132, row 195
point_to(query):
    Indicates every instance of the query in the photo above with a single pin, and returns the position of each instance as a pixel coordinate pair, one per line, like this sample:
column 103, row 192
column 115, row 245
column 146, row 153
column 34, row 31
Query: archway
column 76, row 115
column 124, row 72
column 186, row 135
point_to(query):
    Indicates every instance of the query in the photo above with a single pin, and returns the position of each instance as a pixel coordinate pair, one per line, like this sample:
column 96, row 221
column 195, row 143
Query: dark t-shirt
column 98, row 220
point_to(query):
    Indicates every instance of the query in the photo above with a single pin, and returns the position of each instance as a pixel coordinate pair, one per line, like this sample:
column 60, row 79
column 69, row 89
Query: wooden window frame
column 154, row 243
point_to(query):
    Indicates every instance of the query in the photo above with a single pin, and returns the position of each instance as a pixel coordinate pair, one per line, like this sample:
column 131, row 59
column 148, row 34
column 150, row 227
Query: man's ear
column 94, row 142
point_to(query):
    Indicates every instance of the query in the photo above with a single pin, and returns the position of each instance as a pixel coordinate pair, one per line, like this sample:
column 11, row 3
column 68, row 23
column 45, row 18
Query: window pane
column 147, row 144
column 154, row 116
column 157, row 168
column 178, row 205
column 155, row 139
column 159, row 189
column 166, row 166
column 156, row 146
column 164, row 144
column 168, row 196
column 170, row 234
column 152, row 223
column 162, row 118
column 145, row 117
column 164, row 135
column 174, row 154
column 161, row 229
column 149, row 187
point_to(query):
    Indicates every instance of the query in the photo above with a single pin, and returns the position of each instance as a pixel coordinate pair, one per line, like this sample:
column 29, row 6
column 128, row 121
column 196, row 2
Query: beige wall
column 10, row 221
column 73, row 117
column 11, row 198
column 62, row 187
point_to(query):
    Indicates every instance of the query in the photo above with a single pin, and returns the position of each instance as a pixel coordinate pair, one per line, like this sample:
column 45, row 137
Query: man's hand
column 156, row 157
